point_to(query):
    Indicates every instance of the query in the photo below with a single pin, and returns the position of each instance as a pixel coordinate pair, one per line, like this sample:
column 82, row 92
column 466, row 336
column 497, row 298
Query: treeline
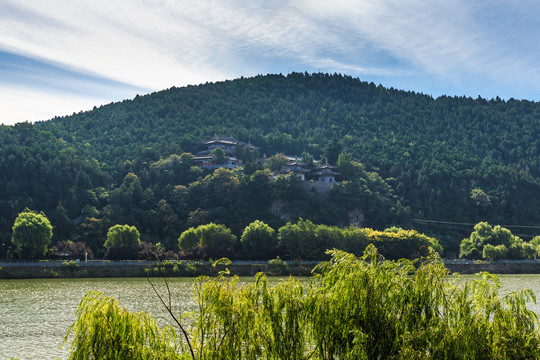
column 354, row 308
column 32, row 233
column 301, row 240
column 453, row 159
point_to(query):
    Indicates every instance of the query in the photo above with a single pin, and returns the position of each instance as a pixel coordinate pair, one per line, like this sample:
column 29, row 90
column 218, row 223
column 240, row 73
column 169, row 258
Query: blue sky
column 59, row 57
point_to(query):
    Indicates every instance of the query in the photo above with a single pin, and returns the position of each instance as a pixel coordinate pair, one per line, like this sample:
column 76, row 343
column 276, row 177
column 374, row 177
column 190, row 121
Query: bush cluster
column 301, row 240
column 496, row 243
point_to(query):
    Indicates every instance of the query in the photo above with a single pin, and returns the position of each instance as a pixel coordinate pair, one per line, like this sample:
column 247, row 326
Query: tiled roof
column 326, row 171
column 226, row 141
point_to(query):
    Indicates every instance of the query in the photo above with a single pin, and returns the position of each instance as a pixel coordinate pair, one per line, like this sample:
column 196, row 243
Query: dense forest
column 405, row 158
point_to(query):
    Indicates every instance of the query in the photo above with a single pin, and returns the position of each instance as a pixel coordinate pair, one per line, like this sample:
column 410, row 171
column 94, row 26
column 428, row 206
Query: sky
column 58, row 57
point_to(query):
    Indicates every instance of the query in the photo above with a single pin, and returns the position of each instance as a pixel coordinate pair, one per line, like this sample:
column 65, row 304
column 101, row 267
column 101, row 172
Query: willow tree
column 123, row 236
column 32, row 233
column 354, row 308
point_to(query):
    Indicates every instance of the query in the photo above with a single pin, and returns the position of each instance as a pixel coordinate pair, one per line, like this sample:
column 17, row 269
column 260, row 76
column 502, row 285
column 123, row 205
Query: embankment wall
column 189, row 269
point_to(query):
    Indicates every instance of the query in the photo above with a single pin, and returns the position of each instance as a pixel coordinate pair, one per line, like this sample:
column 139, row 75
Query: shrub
column 78, row 250
column 278, row 267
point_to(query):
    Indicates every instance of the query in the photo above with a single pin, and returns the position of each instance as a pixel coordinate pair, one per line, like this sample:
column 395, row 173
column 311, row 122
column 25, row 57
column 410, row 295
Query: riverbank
column 110, row 269
column 495, row 267
column 118, row 269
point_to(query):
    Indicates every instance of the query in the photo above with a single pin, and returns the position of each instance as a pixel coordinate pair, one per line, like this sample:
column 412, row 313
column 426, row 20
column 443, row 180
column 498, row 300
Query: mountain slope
column 453, row 159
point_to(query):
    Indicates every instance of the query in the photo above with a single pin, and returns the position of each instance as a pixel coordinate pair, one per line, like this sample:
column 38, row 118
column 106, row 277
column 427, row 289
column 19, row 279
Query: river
column 35, row 314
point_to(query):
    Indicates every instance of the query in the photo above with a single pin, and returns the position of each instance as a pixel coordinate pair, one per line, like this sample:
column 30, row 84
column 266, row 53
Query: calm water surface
column 35, row 314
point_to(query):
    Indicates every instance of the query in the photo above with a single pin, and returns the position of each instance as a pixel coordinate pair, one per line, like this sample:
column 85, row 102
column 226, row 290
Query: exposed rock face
column 280, row 208
column 356, row 218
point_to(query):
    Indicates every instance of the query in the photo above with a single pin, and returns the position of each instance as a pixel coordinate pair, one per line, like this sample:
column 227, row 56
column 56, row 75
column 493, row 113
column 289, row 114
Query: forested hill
column 452, row 159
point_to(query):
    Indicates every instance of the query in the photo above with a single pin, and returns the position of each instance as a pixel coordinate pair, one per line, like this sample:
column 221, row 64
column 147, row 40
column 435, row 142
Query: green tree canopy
column 122, row 236
column 210, row 240
column 274, row 163
column 480, row 198
column 220, row 155
column 32, row 233
column 258, row 240
column 189, row 239
column 484, row 234
column 300, row 240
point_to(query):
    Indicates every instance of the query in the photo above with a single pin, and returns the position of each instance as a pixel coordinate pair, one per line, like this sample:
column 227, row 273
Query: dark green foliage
column 78, row 250
column 405, row 156
column 220, row 155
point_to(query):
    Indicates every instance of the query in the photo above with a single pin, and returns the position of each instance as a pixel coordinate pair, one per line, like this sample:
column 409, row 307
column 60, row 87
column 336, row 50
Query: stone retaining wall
column 498, row 267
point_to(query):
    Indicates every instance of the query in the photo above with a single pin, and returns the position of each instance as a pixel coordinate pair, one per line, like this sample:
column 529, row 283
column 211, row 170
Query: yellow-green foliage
column 307, row 240
column 395, row 243
column 32, row 233
column 122, row 236
column 212, row 237
column 106, row 331
column 354, row 308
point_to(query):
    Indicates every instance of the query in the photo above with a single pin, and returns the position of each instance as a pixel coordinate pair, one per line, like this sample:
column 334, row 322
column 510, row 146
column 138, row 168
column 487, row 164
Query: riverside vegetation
column 352, row 308
column 32, row 234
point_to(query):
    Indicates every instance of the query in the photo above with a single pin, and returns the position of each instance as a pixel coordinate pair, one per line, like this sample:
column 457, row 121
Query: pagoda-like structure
column 206, row 159
column 297, row 168
column 227, row 144
column 326, row 173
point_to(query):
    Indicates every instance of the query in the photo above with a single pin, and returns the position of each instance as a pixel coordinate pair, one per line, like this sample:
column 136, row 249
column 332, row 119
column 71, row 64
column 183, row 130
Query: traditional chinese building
column 227, row 144
column 326, row 173
column 209, row 160
column 297, row 168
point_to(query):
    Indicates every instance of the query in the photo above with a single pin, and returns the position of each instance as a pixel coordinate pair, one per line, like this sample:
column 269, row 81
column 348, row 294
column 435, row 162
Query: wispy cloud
column 27, row 104
column 116, row 49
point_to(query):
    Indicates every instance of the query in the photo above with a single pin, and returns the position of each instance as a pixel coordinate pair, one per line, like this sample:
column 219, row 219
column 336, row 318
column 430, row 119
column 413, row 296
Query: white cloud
column 119, row 40
column 158, row 44
column 20, row 105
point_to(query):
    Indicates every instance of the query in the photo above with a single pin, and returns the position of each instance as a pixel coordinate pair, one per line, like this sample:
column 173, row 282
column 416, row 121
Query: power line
column 454, row 225
column 424, row 221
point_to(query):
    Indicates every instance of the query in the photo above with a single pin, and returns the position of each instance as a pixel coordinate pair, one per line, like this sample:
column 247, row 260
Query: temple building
column 227, row 144
column 295, row 167
column 326, row 173
column 221, row 151
column 208, row 158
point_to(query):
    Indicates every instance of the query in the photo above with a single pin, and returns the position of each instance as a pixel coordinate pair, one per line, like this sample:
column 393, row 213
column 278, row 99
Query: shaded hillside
column 452, row 159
